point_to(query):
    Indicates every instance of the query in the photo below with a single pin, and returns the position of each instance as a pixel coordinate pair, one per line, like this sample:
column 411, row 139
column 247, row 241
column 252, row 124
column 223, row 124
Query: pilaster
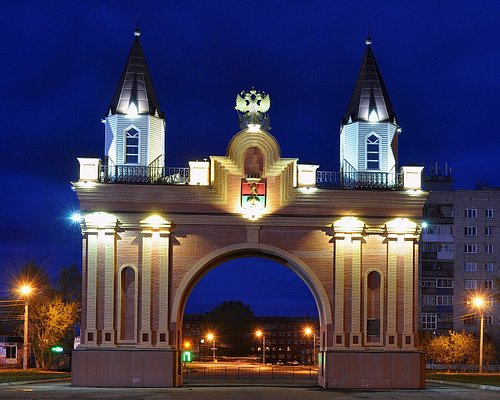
column 393, row 245
column 340, row 255
column 409, row 299
column 355, row 339
column 90, row 330
column 108, row 334
column 145, row 332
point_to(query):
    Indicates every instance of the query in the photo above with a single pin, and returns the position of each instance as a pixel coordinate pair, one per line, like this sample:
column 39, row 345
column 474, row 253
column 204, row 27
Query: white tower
column 135, row 126
column 369, row 131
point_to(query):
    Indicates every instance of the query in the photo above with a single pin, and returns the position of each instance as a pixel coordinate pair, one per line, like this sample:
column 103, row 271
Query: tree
column 232, row 322
column 69, row 284
column 458, row 348
column 52, row 312
column 49, row 320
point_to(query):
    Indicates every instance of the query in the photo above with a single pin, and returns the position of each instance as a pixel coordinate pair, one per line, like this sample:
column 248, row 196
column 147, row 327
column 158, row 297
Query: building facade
column 460, row 259
column 352, row 239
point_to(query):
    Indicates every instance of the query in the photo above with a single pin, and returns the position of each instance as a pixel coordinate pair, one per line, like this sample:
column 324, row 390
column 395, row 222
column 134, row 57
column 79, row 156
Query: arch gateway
column 151, row 232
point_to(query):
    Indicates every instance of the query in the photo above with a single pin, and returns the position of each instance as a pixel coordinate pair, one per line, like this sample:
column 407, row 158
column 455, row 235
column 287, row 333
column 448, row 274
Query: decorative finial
column 137, row 31
column 368, row 40
column 252, row 107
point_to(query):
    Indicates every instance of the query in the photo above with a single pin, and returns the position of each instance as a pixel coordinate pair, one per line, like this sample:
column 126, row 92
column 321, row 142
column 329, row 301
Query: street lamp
column 478, row 303
column 211, row 337
column 25, row 291
column 309, row 331
column 260, row 334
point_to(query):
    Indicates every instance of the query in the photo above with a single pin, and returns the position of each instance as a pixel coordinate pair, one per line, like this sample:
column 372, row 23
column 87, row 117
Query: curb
column 35, row 381
column 471, row 385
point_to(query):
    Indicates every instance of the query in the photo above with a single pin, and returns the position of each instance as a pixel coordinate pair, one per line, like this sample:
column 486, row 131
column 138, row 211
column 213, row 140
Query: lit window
column 429, row 321
column 488, row 213
column 470, row 248
column 444, row 300
column 470, row 284
column 372, row 152
column 429, row 282
column 489, row 267
column 470, row 230
column 470, row 213
column 444, row 282
column 132, row 146
column 470, row 266
column 488, row 231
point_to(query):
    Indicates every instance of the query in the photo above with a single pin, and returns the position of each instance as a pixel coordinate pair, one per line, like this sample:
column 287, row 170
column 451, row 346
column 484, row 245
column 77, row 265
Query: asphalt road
column 63, row 390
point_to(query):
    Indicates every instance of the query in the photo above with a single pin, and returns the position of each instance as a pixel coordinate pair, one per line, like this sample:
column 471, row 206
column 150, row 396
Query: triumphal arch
column 151, row 232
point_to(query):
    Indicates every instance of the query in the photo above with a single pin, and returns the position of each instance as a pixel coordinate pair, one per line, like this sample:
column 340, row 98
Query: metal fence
column 460, row 367
column 250, row 373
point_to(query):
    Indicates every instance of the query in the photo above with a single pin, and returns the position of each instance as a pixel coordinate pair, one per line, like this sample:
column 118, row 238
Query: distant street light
column 260, row 334
column 211, row 337
column 25, row 291
column 309, row 331
column 478, row 303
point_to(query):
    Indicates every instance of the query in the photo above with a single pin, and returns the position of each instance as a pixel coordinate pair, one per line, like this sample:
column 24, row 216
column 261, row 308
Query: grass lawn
column 17, row 375
column 492, row 379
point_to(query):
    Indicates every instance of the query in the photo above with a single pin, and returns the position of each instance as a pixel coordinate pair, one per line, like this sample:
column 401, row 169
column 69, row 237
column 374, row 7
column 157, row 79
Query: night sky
column 62, row 60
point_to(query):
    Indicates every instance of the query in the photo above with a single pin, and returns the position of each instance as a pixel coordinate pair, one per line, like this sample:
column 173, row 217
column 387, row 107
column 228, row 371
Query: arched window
column 373, row 307
column 131, row 146
column 127, row 304
column 254, row 162
column 372, row 152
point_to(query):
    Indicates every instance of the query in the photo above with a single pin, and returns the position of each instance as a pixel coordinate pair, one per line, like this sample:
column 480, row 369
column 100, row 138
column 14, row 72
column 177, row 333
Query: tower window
column 131, row 146
column 372, row 152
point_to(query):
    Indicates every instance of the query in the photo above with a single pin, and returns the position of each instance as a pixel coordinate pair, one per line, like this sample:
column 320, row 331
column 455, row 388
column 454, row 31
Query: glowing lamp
column 155, row 222
column 478, row 302
column 101, row 220
column 132, row 111
column 425, row 224
column 349, row 225
column 25, row 290
column 258, row 333
column 401, row 225
column 373, row 117
column 76, row 217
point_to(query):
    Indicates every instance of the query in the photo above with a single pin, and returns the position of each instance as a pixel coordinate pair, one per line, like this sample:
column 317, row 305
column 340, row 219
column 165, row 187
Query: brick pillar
column 90, row 330
column 409, row 271
column 391, row 338
column 341, row 244
column 108, row 333
column 355, row 335
column 163, row 276
column 145, row 295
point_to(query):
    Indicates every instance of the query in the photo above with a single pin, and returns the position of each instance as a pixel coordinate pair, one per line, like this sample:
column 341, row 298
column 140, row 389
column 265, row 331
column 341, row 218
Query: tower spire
column 135, row 84
column 369, row 92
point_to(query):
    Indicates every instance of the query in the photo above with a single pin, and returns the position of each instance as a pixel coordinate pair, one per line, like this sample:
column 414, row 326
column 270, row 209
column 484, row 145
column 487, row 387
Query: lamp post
column 211, row 337
column 309, row 331
column 25, row 291
column 478, row 303
column 260, row 334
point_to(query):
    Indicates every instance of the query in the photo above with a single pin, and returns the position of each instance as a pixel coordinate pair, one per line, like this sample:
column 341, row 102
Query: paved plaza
column 63, row 390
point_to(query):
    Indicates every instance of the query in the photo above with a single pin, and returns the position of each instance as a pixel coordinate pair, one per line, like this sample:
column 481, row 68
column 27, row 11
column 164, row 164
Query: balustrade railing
column 359, row 180
column 144, row 174
column 180, row 176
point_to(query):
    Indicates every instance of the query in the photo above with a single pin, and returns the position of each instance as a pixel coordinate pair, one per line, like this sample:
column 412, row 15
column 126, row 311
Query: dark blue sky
column 62, row 60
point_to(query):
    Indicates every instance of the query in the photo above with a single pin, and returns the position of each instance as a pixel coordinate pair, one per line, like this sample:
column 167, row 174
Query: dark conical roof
column 369, row 92
column 135, row 85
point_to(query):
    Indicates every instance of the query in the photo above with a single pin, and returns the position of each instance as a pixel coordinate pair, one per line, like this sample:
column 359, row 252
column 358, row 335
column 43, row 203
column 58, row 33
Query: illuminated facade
column 146, row 246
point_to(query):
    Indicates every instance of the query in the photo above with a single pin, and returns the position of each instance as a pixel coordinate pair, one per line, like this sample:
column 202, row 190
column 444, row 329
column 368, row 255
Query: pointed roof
column 369, row 92
column 135, row 85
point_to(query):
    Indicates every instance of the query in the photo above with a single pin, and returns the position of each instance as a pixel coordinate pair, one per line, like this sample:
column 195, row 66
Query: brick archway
column 202, row 266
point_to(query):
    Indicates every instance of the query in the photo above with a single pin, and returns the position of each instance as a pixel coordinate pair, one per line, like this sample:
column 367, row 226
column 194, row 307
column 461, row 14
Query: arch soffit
column 293, row 262
column 245, row 139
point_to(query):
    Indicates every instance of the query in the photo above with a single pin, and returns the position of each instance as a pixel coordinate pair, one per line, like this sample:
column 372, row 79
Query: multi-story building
column 286, row 338
column 458, row 258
